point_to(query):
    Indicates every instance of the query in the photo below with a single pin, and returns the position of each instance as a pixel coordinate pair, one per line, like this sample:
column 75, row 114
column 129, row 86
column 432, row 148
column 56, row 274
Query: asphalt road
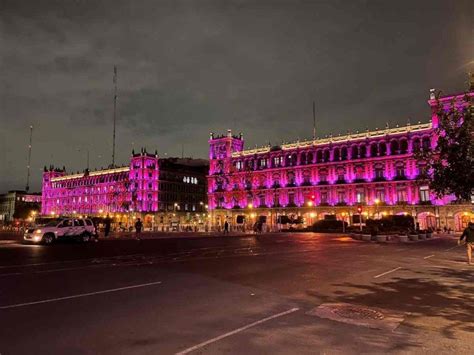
column 234, row 295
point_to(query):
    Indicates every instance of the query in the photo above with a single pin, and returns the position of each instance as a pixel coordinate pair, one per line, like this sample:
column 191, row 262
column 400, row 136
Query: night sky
column 186, row 68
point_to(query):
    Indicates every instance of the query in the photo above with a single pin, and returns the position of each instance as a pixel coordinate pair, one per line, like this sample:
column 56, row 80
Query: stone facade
column 375, row 171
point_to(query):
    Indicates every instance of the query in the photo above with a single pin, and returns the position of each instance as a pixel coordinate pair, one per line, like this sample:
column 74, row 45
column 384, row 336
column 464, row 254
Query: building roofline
column 341, row 138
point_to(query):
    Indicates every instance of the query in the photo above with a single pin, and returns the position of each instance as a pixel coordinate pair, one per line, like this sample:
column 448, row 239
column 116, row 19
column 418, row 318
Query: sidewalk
column 171, row 235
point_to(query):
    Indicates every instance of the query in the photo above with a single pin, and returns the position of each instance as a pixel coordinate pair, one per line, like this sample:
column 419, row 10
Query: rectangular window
column 324, row 197
column 360, row 196
column 341, row 196
column 424, row 193
column 401, row 195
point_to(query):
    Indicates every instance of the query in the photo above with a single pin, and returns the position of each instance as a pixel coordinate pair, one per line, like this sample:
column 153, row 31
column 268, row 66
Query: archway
column 426, row 220
column 461, row 220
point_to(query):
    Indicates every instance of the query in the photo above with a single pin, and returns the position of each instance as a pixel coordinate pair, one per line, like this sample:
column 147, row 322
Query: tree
column 451, row 163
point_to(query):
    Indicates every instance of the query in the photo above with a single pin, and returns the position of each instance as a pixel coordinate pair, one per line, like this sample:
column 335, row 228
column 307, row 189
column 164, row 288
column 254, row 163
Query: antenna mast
column 29, row 160
column 314, row 121
column 115, row 114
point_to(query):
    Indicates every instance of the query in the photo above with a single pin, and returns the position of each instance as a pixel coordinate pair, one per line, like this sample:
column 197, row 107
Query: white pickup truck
column 81, row 229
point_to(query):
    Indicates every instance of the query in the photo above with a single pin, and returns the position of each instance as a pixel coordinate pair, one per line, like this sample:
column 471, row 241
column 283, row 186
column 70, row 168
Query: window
column 400, row 171
column 261, row 200
column 324, row 197
column 277, row 161
column 341, row 196
column 360, row 196
column 380, row 195
column 424, row 193
column 401, row 195
column 379, row 172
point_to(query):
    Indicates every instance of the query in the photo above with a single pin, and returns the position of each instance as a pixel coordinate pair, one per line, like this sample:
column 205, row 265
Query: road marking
column 452, row 248
column 429, row 256
column 235, row 331
column 388, row 272
column 79, row 295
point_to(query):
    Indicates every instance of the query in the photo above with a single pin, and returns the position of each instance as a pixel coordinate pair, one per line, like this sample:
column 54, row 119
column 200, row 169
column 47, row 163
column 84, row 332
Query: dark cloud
column 190, row 67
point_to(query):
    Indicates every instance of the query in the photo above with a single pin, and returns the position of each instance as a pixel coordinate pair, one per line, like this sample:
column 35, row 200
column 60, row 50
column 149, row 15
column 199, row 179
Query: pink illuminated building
column 148, row 185
column 375, row 170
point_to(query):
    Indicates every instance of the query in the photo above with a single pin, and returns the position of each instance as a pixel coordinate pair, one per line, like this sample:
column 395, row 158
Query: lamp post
column 343, row 222
column 377, row 201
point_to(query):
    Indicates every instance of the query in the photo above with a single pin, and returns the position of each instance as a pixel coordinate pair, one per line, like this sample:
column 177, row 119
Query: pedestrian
column 107, row 223
column 468, row 233
column 138, row 228
column 226, row 227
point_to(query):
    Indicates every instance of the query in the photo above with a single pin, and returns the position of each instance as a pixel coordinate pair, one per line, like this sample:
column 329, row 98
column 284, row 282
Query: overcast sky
column 190, row 67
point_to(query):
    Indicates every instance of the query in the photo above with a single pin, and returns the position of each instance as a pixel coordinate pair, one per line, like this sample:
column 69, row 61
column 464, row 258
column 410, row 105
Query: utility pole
column 29, row 160
column 314, row 121
column 115, row 114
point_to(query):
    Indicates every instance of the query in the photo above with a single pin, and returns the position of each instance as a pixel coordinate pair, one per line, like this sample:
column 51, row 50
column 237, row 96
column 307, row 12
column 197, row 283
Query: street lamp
column 310, row 203
column 377, row 201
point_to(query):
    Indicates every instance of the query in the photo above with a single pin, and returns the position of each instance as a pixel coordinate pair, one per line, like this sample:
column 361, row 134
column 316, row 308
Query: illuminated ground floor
column 453, row 217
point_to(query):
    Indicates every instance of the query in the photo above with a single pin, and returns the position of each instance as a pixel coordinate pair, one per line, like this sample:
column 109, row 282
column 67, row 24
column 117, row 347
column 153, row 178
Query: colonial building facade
column 149, row 186
column 375, row 171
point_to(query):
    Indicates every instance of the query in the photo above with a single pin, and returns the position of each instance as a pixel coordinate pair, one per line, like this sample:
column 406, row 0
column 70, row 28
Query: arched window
column 319, row 156
column 337, row 154
column 374, row 150
column 309, row 158
column 426, row 143
column 344, row 153
column 363, row 151
column 394, row 147
column 382, row 149
column 416, row 145
column 403, row 146
column 327, row 155
column 303, row 158
column 355, row 152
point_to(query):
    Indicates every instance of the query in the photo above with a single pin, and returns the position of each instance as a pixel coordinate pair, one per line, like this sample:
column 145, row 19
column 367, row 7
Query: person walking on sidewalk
column 138, row 228
column 107, row 223
column 468, row 233
column 226, row 228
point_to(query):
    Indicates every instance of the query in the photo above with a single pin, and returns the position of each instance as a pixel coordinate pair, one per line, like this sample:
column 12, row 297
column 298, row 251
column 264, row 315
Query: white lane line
column 79, row 295
column 429, row 256
column 452, row 248
column 235, row 331
column 70, row 261
column 388, row 272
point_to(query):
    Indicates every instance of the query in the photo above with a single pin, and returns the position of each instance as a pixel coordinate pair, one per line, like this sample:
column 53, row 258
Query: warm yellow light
column 52, row 213
column 206, row 206
column 312, row 214
column 253, row 215
column 101, row 210
column 74, row 212
column 250, row 205
column 34, row 213
column 384, row 213
column 377, row 201
column 310, row 203
column 343, row 214
column 466, row 213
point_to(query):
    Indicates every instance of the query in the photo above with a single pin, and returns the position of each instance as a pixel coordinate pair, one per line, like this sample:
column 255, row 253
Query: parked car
column 81, row 229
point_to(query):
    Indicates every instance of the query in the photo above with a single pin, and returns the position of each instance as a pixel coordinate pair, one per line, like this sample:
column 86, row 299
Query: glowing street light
column 310, row 203
column 250, row 205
